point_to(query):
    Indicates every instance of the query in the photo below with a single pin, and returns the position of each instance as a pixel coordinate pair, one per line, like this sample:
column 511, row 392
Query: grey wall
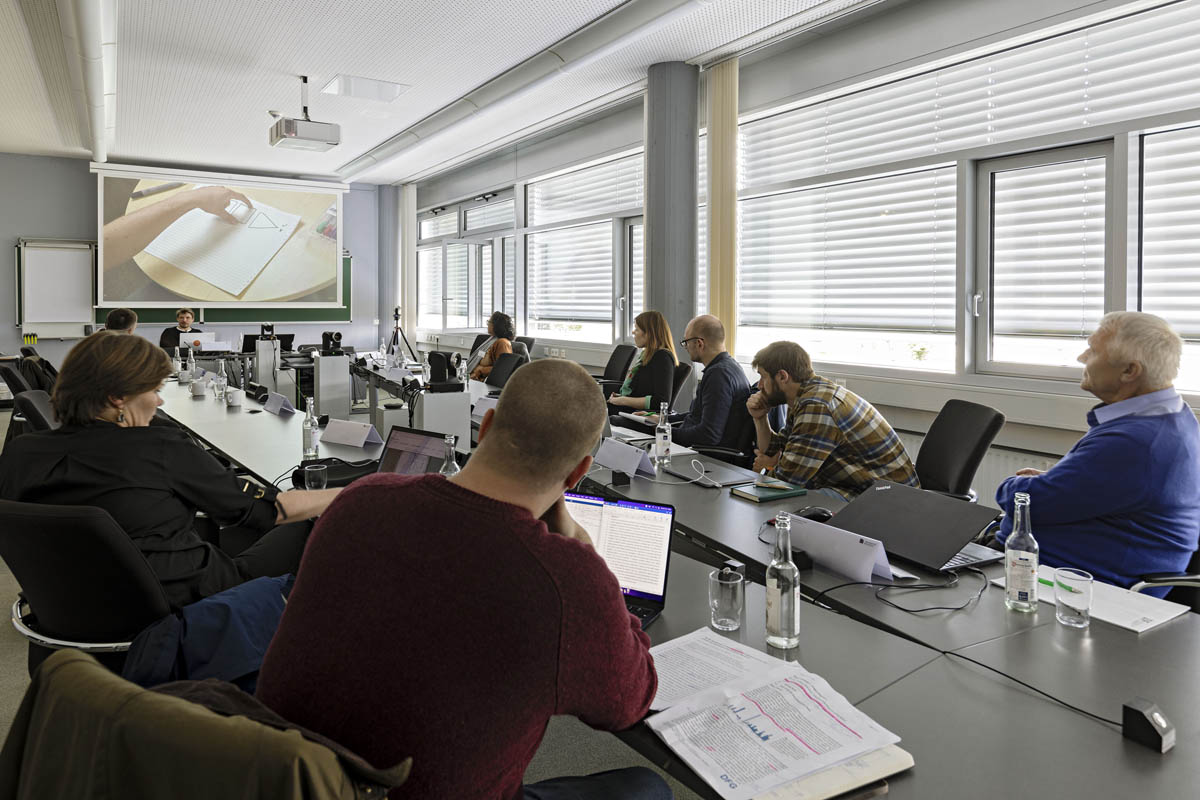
column 55, row 198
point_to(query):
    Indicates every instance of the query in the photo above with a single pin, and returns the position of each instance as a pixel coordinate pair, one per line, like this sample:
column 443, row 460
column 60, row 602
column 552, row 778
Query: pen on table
column 162, row 187
column 1070, row 589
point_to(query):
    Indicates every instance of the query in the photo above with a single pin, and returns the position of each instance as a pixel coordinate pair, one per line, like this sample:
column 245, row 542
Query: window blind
column 1171, row 229
column 595, row 190
column 876, row 254
column 569, row 273
column 510, row 275
column 1127, row 68
column 702, row 260
column 429, row 288
column 486, row 301
column 637, row 273
column 1048, row 249
column 457, row 278
column 444, row 224
column 489, row 215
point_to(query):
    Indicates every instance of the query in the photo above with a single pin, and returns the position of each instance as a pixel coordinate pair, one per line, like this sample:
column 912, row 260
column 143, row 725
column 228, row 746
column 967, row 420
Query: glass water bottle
column 449, row 462
column 662, row 438
column 311, row 430
column 176, row 362
column 783, row 589
column 1021, row 560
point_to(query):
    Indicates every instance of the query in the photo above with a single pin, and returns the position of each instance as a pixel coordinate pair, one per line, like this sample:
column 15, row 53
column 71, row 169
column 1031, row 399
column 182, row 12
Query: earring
column 120, row 415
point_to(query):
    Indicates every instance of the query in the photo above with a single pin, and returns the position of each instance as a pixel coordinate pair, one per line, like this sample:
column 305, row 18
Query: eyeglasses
column 684, row 342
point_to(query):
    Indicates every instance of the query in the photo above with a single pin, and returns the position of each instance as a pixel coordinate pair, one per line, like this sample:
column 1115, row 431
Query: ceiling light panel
column 196, row 79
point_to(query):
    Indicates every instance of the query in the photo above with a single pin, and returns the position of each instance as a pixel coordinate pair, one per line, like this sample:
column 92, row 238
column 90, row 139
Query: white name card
column 278, row 404
column 484, row 405
column 856, row 556
column 398, row 373
column 214, row 346
column 354, row 434
column 621, row 457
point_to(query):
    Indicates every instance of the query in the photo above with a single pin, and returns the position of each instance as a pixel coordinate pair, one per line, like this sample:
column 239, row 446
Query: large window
column 429, row 287
column 569, row 283
column 602, row 189
column 859, row 273
column 509, row 255
column 1170, row 244
column 634, row 240
column 1044, row 255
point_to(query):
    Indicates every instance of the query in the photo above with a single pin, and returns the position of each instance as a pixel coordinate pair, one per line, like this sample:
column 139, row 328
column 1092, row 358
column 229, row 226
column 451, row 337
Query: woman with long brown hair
column 651, row 376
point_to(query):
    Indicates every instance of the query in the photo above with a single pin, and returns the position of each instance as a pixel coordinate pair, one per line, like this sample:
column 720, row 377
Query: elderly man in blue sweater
column 1125, row 501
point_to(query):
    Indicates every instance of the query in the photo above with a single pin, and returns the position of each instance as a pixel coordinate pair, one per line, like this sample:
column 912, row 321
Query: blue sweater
column 722, row 385
column 1124, row 502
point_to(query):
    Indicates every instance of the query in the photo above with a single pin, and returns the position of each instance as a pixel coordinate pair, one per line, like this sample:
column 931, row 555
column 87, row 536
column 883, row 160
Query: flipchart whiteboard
column 56, row 280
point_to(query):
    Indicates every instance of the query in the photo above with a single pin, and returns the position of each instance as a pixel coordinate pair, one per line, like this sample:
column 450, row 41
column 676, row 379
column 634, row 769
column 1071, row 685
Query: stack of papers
column 753, row 726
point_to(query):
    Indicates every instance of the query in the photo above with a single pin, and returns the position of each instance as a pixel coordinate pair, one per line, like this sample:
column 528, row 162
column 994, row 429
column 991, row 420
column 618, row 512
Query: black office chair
column 520, row 349
column 13, row 379
column 29, row 352
column 84, row 584
column 682, row 371
column 502, row 370
column 740, row 436
column 1186, row 584
column 480, row 339
column 955, row 445
column 614, row 371
column 34, row 406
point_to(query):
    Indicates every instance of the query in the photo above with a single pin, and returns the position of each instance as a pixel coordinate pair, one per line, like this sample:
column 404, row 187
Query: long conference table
column 972, row 732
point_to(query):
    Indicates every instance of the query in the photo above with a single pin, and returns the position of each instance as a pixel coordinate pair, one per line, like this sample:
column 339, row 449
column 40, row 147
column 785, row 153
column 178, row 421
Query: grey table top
column 265, row 445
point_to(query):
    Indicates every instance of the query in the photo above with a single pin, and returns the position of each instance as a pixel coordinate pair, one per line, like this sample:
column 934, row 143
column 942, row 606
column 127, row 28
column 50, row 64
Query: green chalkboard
column 340, row 313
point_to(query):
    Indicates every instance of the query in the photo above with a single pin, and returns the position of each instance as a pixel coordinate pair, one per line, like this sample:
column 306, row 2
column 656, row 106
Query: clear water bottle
column 383, row 359
column 1021, row 560
column 449, row 462
column 426, row 369
column 783, row 589
column 191, row 362
column 176, row 362
column 462, row 371
column 221, row 381
column 662, row 438
column 311, row 430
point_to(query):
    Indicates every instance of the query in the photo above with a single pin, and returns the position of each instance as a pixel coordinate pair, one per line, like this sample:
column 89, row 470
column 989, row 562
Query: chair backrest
column 1188, row 595
column 527, row 341
column 740, row 433
column 503, row 369
column 84, row 578
column 618, row 362
column 682, row 371
column 29, row 352
column 955, row 445
column 35, row 406
column 520, row 349
column 480, row 339
column 16, row 383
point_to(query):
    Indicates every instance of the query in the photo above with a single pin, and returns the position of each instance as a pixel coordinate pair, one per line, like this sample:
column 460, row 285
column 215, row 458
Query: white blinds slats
column 702, row 260
column 429, row 288
column 637, row 275
column 457, row 278
column 489, row 215
column 569, row 273
column 874, row 254
column 1048, row 249
column 586, row 192
column 486, row 303
column 1171, row 228
column 1136, row 66
column 445, row 224
column 510, row 275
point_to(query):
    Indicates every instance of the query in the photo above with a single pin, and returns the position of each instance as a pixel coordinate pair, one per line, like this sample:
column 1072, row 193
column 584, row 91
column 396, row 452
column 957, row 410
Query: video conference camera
column 331, row 343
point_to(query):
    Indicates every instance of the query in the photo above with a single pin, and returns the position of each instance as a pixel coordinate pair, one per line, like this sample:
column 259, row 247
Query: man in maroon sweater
column 449, row 620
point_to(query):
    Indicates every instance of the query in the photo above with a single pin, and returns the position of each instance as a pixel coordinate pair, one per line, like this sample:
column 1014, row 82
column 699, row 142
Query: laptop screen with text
column 412, row 452
column 634, row 539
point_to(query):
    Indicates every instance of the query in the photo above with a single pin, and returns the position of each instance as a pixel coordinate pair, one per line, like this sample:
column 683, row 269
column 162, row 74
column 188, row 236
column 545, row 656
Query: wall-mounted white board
column 56, row 286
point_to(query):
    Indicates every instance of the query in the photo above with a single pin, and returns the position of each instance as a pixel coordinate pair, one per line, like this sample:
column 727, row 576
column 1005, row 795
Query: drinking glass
column 219, row 384
column 725, row 597
column 316, row 476
column 1073, row 597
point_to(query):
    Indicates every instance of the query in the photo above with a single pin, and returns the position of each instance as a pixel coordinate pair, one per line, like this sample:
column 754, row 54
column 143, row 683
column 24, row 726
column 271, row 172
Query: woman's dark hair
column 502, row 326
column 104, row 365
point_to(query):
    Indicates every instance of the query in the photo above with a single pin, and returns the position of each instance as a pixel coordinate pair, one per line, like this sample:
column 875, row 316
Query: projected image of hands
column 171, row 240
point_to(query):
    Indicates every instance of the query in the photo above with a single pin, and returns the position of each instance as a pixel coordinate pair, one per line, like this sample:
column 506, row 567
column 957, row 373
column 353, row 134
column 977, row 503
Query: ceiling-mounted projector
column 304, row 134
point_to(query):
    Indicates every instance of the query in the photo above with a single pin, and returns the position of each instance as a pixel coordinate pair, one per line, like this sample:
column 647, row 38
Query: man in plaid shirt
column 833, row 439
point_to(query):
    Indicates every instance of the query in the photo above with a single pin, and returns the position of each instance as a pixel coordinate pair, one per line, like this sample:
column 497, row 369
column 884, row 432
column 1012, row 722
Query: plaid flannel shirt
column 834, row 439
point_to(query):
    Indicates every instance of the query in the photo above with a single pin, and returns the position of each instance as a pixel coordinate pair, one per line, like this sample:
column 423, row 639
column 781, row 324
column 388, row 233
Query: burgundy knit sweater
column 432, row 622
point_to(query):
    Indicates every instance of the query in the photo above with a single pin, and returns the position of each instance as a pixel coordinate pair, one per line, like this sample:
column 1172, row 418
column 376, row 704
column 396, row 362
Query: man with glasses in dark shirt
column 722, row 386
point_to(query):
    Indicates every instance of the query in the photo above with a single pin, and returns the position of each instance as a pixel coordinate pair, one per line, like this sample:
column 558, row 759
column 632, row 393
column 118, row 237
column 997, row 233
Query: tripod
column 398, row 335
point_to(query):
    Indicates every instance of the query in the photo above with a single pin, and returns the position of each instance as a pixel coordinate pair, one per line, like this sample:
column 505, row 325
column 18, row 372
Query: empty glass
column 219, row 385
column 1073, row 597
column 316, row 476
column 725, row 597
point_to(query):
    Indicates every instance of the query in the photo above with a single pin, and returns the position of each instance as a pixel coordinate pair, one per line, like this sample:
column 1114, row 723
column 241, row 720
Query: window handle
column 976, row 299
column 620, row 304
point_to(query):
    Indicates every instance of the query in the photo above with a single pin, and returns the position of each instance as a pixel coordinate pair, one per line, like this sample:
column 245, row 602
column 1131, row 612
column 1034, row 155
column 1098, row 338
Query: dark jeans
column 276, row 552
column 631, row 783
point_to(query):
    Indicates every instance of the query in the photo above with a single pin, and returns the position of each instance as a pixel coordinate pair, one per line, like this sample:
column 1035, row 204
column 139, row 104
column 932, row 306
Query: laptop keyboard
column 972, row 554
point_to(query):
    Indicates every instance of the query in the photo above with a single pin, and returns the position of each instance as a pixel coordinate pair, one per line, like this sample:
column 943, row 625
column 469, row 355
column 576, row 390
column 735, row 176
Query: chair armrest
column 19, row 620
column 714, row 450
column 1166, row 579
column 606, row 385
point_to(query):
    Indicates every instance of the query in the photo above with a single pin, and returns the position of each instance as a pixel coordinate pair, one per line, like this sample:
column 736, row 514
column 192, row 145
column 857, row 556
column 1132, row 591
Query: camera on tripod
column 331, row 343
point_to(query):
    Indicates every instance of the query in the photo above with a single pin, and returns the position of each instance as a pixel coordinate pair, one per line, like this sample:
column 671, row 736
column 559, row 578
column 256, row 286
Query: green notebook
column 765, row 494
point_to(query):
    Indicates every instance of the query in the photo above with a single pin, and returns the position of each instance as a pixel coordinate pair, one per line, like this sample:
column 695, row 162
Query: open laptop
column 634, row 539
column 926, row 528
column 408, row 451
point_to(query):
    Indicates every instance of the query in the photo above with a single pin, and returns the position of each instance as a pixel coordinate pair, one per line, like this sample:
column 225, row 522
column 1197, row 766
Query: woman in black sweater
column 651, row 376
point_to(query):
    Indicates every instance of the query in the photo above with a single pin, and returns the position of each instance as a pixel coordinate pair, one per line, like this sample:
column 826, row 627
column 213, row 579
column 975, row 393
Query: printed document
column 226, row 255
column 704, row 659
column 755, row 734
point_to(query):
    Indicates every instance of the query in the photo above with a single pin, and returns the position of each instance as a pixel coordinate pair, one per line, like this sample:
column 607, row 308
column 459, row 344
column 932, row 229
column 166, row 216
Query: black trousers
column 275, row 552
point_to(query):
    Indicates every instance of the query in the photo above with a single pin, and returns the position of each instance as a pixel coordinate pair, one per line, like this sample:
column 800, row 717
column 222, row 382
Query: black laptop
column 634, row 539
column 926, row 528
